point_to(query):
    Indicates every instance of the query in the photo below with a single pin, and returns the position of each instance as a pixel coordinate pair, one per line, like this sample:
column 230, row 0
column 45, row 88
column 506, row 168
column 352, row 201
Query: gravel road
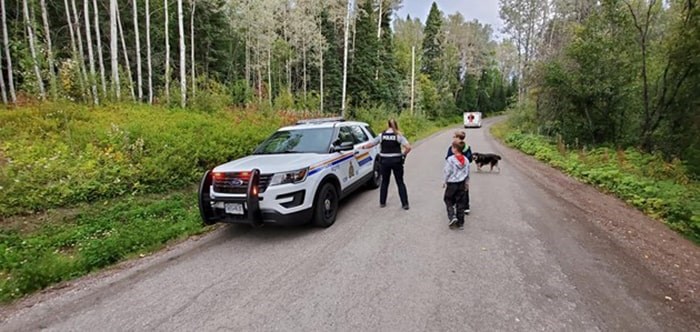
column 539, row 252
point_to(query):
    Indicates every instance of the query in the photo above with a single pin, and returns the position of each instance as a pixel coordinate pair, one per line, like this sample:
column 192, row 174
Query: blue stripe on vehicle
column 318, row 169
column 341, row 160
column 365, row 161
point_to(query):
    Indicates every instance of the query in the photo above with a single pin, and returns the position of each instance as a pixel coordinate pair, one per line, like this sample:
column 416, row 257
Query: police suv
column 297, row 175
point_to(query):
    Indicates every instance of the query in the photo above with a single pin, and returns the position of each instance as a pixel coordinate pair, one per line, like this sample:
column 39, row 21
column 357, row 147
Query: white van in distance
column 472, row 119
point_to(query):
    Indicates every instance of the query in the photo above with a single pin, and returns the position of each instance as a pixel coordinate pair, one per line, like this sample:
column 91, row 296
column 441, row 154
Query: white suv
column 297, row 175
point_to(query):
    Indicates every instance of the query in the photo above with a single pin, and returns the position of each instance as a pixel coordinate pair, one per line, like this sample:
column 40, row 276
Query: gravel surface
column 539, row 251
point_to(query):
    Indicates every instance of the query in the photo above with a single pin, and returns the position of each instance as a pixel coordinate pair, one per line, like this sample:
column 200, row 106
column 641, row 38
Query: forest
column 305, row 54
column 615, row 73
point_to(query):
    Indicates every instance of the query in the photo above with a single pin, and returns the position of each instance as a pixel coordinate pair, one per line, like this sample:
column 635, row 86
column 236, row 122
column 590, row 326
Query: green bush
column 95, row 238
column 660, row 189
column 61, row 154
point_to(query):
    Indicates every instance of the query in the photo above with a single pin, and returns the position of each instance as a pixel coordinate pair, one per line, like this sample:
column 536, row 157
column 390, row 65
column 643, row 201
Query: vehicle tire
column 205, row 209
column 325, row 206
column 376, row 179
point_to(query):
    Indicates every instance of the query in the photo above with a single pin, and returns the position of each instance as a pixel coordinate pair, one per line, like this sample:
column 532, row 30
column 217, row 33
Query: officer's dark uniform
column 392, row 160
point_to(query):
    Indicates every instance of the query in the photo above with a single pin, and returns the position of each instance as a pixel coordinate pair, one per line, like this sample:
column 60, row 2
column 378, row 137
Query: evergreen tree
column 432, row 44
column 388, row 78
column 333, row 73
column 362, row 87
column 467, row 96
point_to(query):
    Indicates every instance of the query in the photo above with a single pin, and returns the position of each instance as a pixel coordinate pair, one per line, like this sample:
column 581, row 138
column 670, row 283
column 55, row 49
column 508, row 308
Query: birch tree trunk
column 192, row 70
column 413, row 78
column 269, row 73
column 100, row 58
column 379, row 38
column 379, row 20
column 303, row 52
column 2, row 85
column 74, row 47
column 139, row 77
column 148, row 52
column 91, row 56
column 32, row 48
column 320, row 50
column 126, row 57
column 49, row 50
column 247, row 59
column 6, row 44
column 183, row 57
column 81, row 54
column 114, row 52
column 167, row 53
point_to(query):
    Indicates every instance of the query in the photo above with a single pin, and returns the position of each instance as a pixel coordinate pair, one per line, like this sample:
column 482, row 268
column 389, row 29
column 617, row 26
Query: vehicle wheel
column 376, row 179
column 205, row 209
column 326, row 206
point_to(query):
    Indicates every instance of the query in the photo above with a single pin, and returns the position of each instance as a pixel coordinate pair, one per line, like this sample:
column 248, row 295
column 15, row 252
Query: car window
column 314, row 140
column 370, row 131
column 359, row 134
column 345, row 135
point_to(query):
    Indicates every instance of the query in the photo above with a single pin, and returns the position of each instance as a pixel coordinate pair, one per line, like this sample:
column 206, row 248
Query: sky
column 486, row 11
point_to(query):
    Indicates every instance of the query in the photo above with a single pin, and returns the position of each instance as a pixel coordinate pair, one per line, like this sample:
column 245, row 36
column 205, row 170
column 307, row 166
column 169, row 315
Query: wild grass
column 662, row 190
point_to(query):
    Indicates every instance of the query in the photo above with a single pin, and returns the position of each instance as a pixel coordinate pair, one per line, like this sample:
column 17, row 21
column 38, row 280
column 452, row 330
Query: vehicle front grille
column 237, row 183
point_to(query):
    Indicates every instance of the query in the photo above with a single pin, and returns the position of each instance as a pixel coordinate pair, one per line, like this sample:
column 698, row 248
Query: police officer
column 392, row 159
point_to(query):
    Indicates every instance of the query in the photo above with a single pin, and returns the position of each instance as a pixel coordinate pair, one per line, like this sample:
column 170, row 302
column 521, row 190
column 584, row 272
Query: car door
column 348, row 169
column 363, row 157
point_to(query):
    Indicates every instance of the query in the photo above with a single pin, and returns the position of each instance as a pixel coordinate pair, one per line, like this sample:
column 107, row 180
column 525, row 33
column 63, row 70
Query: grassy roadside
column 69, row 243
column 660, row 189
column 76, row 213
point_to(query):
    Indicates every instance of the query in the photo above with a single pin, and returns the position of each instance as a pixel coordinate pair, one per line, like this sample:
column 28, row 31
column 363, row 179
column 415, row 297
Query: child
column 467, row 152
column 456, row 174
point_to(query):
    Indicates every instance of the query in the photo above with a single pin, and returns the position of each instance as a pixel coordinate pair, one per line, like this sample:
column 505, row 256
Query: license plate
column 234, row 208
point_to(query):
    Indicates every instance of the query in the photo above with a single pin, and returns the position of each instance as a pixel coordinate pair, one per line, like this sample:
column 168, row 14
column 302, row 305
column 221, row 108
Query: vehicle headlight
column 289, row 177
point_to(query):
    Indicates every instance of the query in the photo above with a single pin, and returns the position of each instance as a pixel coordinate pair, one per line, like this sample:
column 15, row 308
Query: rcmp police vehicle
column 299, row 174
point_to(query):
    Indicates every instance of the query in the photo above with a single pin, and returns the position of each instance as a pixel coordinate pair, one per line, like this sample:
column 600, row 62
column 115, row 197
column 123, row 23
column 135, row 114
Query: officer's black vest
column 390, row 143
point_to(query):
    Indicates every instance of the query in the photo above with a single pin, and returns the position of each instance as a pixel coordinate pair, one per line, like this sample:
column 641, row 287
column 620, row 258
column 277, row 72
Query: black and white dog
column 491, row 159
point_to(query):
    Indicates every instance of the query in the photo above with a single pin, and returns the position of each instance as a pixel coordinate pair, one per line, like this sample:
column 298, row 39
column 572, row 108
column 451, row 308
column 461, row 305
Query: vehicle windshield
column 313, row 140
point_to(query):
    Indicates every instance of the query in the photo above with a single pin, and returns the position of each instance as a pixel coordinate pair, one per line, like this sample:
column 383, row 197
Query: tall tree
column 432, row 43
column 8, row 56
column 387, row 72
column 332, row 70
column 523, row 20
column 129, row 77
column 91, row 57
column 467, row 96
column 167, row 52
column 183, row 57
column 32, row 47
column 364, row 62
column 81, row 54
column 74, row 48
column 192, row 47
column 2, row 86
column 643, row 14
column 100, row 58
column 49, row 50
column 183, row 52
column 114, row 51
column 148, row 52
column 137, row 38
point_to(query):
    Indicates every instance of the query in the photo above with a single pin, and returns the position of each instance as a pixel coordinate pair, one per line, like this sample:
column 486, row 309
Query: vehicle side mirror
column 344, row 146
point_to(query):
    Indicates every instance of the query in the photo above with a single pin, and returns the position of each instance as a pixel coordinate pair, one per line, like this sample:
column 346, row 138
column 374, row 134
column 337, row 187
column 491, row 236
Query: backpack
column 468, row 153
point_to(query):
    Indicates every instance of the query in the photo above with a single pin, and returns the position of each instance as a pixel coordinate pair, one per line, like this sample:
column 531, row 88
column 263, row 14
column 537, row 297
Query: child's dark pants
column 455, row 201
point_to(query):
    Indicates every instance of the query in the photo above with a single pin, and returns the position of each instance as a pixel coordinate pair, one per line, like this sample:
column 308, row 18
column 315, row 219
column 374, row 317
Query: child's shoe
column 453, row 222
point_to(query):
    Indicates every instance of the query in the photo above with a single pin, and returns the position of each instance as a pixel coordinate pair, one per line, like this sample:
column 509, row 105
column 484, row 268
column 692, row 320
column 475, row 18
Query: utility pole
column 413, row 76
